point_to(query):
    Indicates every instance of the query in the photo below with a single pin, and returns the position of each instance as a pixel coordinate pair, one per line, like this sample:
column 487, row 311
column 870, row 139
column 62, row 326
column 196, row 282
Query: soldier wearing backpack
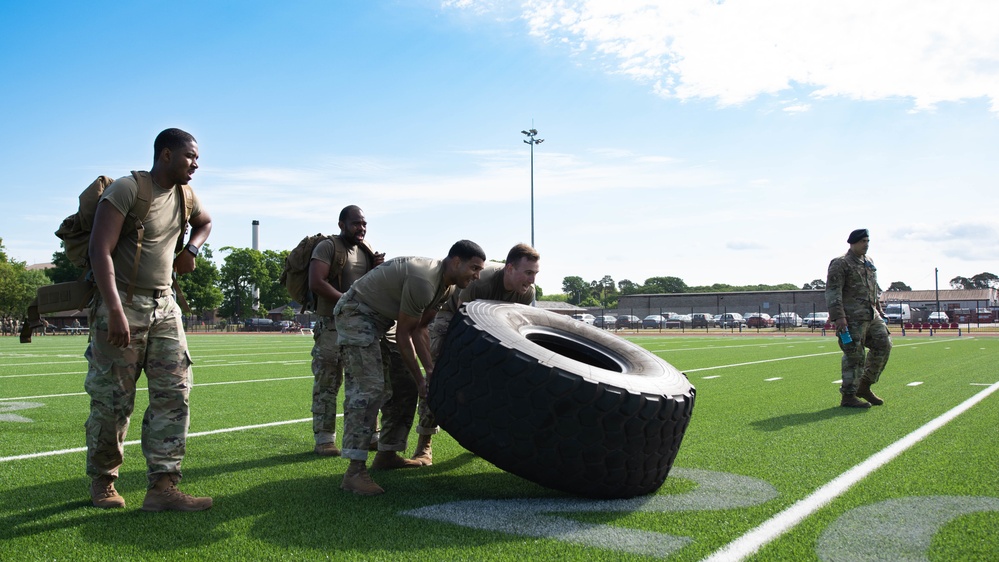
column 135, row 325
column 336, row 262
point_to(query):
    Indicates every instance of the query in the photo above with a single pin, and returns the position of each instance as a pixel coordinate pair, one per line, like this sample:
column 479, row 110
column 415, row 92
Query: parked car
column 815, row 319
column 701, row 320
column 585, row 317
column 678, row 320
column 759, row 320
column 608, row 322
column 628, row 321
column 731, row 320
column 938, row 317
column 260, row 325
column 897, row 313
column 653, row 321
column 787, row 320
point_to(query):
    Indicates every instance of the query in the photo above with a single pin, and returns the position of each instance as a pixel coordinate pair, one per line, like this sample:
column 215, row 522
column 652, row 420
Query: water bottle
column 844, row 337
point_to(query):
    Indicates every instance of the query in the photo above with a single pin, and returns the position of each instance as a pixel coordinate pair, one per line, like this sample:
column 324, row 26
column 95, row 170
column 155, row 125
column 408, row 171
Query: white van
column 896, row 313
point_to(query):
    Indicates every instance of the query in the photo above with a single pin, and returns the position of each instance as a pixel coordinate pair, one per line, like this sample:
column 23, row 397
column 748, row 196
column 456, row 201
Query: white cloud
column 924, row 50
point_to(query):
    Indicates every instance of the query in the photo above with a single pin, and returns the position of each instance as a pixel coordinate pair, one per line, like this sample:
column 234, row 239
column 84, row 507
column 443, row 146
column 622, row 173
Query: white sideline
column 136, row 441
column 770, row 530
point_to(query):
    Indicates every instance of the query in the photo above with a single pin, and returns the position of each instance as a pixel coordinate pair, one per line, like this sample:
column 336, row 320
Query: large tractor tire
column 558, row 402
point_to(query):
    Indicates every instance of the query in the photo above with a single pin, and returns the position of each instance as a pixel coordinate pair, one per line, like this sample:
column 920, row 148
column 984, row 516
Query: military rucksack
column 295, row 275
column 75, row 233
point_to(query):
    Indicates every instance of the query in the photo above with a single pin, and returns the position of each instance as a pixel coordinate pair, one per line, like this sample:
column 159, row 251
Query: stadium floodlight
column 532, row 141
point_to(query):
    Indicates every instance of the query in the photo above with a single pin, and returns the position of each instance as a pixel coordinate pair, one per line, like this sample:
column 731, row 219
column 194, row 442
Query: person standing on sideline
column 852, row 297
column 512, row 281
column 408, row 291
column 144, row 332
column 336, row 263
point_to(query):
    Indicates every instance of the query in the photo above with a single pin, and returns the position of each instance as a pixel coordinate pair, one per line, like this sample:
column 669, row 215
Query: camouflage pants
column 438, row 329
column 857, row 362
column 327, row 372
column 375, row 378
column 157, row 346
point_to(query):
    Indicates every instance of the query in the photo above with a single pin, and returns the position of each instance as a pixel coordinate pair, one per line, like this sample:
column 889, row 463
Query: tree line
column 605, row 292
column 228, row 289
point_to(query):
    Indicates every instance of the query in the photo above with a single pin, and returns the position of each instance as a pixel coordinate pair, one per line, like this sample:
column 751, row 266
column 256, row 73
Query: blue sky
column 719, row 142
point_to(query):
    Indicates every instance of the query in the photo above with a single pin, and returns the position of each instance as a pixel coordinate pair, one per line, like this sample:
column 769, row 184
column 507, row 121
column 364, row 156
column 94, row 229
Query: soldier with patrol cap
column 852, row 297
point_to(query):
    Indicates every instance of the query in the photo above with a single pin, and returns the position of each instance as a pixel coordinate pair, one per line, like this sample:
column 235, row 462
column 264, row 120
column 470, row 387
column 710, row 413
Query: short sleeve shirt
column 162, row 227
column 410, row 285
column 354, row 268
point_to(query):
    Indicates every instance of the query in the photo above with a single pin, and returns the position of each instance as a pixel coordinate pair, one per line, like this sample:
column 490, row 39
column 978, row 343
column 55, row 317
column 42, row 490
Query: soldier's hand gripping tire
column 559, row 402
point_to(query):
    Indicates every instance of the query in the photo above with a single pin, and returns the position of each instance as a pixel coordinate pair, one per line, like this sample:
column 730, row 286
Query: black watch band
column 193, row 249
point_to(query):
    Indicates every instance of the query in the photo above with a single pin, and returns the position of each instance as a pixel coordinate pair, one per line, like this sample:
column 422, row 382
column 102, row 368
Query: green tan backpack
column 75, row 233
column 295, row 275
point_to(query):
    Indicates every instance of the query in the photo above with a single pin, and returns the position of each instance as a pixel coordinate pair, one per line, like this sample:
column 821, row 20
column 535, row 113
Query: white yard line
column 837, row 352
column 748, row 544
column 197, row 366
column 137, row 442
column 146, row 388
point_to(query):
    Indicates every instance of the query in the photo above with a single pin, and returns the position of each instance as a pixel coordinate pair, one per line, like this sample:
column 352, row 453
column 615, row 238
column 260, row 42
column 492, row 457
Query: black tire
column 560, row 403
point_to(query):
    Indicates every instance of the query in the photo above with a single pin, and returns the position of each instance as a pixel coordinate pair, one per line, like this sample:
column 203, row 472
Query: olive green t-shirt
column 489, row 286
column 354, row 268
column 407, row 284
column 162, row 227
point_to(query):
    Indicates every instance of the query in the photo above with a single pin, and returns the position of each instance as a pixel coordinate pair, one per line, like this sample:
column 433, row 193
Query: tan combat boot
column 164, row 496
column 423, row 453
column 103, row 494
column 389, row 460
column 864, row 391
column 850, row 401
column 357, row 480
column 327, row 450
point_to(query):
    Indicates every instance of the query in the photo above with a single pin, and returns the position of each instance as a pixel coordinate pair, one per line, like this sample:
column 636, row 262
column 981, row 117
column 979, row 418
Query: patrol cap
column 857, row 235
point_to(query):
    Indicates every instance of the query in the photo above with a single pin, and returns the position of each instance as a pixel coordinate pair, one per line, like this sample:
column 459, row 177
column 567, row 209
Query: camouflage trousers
column 438, row 329
column 327, row 372
column 158, row 346
column 857, row 362
column 375, row 379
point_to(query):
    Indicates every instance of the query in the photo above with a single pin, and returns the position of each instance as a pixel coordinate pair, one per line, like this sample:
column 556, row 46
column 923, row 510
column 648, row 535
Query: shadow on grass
column 307, row 513
column 790, row 420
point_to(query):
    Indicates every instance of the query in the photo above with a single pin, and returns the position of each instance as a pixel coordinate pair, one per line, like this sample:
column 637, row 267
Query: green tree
column 17, row 286
column 899, row 286
column 201, row 286
column 816, row 284
column 628, row 287
column 272, row 293
column 63, row 270
column 243, row 268
column 962, row 283
column 576, row 288
column 664, row 285
column 985, row 280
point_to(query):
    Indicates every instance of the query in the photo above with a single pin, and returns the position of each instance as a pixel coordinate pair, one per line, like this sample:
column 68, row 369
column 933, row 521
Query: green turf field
column 770, row 468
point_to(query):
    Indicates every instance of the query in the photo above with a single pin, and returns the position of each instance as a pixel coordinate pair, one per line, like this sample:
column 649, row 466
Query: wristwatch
column 193, row 249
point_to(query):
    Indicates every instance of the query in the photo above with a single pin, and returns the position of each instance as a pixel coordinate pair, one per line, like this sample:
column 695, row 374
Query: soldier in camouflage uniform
column 328, row 281
column 512, row 281
column 145, row 334
column 852, row 297
column 408, row 291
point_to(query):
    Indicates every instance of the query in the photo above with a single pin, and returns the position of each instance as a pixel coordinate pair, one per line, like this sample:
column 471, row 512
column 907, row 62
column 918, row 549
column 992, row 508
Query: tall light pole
column 532, row 141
